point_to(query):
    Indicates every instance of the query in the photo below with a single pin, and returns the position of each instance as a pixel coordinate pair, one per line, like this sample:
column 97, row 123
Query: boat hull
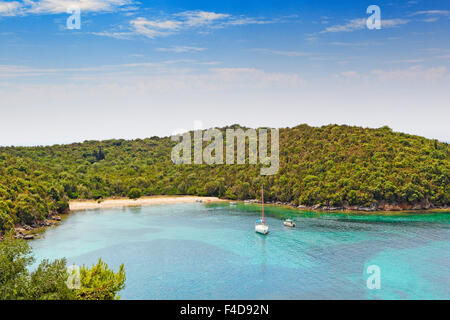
column 262, row 228
column 289, row 224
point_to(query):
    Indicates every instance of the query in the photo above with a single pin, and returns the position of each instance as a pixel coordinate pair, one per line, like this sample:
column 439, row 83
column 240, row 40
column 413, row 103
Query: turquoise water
column 200, row 251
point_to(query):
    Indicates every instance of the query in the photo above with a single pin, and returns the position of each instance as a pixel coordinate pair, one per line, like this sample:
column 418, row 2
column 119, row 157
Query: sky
column 137, row 69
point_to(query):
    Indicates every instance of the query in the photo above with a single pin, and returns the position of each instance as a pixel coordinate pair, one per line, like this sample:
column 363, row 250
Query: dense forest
column 335, row 166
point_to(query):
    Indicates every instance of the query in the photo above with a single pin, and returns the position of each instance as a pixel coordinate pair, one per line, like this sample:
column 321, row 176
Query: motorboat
column 289, row 223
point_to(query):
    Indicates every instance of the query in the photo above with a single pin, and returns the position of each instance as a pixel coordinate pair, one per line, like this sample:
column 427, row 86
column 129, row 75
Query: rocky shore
column 385, row 206
column 31, row 231
column 376, row 206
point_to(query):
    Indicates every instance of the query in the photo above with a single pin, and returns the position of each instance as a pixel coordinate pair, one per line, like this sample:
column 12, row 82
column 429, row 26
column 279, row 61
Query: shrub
column 134, row 193
column 62, row 206
column 101, row 283
column 6, row 221
column 48, row 281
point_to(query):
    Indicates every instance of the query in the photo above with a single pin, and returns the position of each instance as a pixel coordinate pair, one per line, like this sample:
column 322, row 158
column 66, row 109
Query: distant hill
column 329, row 167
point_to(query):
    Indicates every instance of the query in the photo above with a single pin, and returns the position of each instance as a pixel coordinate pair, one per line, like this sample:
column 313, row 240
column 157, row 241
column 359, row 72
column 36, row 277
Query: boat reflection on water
column 260, row 225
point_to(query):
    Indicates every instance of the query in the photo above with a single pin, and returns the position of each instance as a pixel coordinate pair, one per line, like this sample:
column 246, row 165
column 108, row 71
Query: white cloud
column 161, row 76
column 9, row 8
column 7, row 71
column 152, row 29
column 360, row 24
column 211, row 80
column 408, row 61
column 256, row 76
column 350, row 74
column 401, row 77
column 183, row 20
column 116, row 35
column 356, row 44
column 432, row 12
column 282, row 53
column 240, row 21
column 432, row 15
column 175, row 23
column 180, row 49
column 59, row 6
column 431, row 19
column 389, row 23
column 200, row 18
column 415, row 72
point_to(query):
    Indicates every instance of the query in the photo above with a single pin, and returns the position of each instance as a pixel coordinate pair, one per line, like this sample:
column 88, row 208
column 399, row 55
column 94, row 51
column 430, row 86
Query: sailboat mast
column 262, row 197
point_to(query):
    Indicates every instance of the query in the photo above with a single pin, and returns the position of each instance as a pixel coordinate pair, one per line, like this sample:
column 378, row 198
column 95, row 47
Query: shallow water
column 199, row 251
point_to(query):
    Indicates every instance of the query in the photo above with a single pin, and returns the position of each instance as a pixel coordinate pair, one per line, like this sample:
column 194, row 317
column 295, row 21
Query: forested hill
column 331, row 166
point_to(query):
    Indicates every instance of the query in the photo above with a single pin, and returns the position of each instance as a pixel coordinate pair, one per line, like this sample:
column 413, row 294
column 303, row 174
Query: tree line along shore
column 327, row 168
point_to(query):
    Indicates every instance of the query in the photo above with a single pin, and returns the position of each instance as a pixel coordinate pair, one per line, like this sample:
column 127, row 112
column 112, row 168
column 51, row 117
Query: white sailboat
column 261, row 226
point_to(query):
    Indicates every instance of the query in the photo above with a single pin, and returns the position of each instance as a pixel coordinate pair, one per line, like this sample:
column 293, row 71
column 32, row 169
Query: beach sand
column 125, row 202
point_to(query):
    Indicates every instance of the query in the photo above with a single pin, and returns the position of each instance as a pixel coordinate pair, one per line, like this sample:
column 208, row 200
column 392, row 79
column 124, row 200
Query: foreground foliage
column 330, row 165
column 48, row 281
column 100, row 283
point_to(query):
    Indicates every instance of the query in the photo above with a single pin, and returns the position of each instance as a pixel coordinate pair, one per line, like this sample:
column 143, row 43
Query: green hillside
column 332, row 166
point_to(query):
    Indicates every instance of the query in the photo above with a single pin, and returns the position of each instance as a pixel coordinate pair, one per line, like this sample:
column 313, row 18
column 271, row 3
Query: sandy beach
column 125, row 202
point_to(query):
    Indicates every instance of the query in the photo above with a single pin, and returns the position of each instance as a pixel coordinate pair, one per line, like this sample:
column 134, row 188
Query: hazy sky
column 139, row 69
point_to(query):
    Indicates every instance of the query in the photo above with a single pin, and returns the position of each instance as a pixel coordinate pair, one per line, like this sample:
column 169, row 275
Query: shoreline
column 116, row 202
column 36, row 229
column 365, row 211
column 77, row 205
column 33, row 231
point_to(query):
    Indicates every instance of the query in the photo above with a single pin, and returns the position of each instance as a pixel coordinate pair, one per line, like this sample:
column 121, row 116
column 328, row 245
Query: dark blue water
column 196, row 251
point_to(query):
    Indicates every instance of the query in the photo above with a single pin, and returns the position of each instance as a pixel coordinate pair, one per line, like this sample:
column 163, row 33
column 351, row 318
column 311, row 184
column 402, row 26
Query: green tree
column 6, row 221
column 134, row 193
column 48, row 281
column 101, row 283
column 62, row 206
column 15, row 256
column 212, row 188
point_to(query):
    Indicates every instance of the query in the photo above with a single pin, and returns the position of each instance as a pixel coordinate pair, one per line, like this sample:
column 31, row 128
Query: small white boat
column 233, row 203
column 289, row 223
column 260, row 225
